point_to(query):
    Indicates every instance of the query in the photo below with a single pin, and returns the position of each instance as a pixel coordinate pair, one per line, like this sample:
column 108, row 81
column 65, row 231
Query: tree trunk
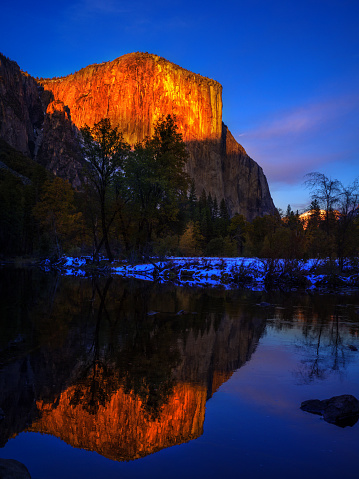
column 104, row 232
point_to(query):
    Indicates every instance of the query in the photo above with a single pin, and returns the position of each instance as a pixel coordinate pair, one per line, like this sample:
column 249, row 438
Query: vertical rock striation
column 21, row 111
column 134, row 91
column 59, row 150
column 122, row 430
column 32, row 122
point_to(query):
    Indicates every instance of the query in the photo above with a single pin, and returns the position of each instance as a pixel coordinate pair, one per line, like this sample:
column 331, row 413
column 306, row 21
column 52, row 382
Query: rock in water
column 340, row 410
column 11, row 469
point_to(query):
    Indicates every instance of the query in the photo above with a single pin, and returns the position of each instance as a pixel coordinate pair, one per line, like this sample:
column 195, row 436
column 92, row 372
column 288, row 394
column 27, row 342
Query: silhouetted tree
column 326, row 192
column 155, row 182
column 105, row 151
column 347, row 232
column 56, row 213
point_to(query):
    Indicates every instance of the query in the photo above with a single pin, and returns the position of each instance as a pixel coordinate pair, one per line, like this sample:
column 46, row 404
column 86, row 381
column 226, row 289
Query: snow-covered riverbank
column 226, row 272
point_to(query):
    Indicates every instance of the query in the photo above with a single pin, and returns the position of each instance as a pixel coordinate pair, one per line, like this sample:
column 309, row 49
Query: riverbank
column 253, row 273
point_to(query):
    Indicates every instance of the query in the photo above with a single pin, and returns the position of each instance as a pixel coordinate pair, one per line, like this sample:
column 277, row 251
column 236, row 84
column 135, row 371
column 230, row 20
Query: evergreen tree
column 215, row 211
column 192, row 201
column 223, row 221
column 237, row 231
column 210, row 205
column 223, row 210
column 155, row 183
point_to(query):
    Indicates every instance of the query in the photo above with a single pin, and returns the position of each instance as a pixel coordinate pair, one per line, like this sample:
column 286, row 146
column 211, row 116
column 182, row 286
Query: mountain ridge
column 133, row 91
column 137, row 54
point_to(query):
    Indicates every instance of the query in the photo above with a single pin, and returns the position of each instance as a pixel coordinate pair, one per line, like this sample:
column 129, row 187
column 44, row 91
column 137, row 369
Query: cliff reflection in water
column 111, row 366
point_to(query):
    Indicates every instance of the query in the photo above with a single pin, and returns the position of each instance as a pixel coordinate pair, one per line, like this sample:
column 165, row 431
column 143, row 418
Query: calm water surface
column 113, row 378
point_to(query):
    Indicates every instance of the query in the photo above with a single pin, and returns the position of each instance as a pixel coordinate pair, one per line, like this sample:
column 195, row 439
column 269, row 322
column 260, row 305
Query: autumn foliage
column 136, row 202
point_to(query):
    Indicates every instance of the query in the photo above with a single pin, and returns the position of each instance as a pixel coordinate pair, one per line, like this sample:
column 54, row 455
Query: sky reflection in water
column 255, row 365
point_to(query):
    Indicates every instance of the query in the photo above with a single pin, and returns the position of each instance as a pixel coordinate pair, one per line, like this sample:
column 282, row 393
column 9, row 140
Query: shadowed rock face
column 133, row 91
column 59, row 150
column 21, row 111
column 245, row 185
column 36, row 125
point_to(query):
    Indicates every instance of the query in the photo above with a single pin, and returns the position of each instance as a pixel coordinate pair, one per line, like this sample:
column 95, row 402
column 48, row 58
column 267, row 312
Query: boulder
column 340, row 410
column 11, row 469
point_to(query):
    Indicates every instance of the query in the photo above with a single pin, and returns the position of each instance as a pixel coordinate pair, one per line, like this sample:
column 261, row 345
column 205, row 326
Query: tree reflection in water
column 327, row 352
column 142, row 365
column 94, row 368
column 326, row 326
column 96, row 382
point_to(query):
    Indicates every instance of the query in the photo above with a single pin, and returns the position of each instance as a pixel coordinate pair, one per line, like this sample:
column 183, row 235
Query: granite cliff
column 133, row 91
column 36, row 125
column 21, row 110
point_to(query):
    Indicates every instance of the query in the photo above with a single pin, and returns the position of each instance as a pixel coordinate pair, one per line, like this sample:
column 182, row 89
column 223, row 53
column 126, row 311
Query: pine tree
column 155, row 183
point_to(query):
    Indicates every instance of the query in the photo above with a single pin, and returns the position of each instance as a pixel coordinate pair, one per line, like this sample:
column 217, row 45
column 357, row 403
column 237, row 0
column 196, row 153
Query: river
column 112, row 377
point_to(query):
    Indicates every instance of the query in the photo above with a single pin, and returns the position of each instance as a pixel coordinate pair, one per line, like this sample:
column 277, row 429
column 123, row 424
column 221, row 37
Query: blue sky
column 289, row 70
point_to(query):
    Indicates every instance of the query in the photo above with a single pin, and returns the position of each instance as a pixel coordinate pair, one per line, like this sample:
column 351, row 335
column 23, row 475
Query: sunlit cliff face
column 306, row 216
column 135, row 90
column 123, row 429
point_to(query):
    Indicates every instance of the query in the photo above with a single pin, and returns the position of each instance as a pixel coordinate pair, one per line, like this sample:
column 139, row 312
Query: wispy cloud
column 304, row 119
column 292, row 169
column 317, row 136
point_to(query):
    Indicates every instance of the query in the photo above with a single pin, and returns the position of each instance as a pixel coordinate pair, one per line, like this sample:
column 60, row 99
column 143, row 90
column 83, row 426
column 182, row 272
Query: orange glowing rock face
column 219, row 378
column 137, row 89
column 122, row 429
column 305, row 217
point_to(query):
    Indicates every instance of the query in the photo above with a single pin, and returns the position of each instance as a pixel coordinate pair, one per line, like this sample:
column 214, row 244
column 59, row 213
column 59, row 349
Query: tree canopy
column 105, row 150
column 155, row 181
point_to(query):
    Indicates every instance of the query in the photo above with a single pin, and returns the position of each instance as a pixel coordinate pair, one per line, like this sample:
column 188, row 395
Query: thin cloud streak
column 305, row 119
column 290, row 169
column 315, row 137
